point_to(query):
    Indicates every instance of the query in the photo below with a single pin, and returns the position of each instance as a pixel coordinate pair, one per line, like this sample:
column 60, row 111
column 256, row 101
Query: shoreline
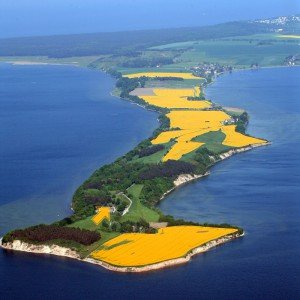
column 231, row 152
column 59, row 251
column 179, row 181
column 182, row 180
column 223, row 156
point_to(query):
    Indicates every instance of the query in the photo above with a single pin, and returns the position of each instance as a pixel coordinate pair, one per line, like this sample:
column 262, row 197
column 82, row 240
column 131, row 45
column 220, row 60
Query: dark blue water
column 258, row 190
column 57, row 124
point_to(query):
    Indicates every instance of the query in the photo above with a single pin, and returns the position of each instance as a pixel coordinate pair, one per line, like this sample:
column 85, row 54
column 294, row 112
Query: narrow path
column 128, row 207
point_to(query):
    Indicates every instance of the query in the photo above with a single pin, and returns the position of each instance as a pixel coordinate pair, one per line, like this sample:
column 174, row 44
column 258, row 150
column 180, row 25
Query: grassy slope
column 137, row 210
column 213, row 141
column 105, row 236
column 155, row 157
column 90, row 225
column 239, row 51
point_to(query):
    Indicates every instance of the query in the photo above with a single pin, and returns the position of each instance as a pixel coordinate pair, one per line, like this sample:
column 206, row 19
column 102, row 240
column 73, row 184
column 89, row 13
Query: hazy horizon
column 51, row 17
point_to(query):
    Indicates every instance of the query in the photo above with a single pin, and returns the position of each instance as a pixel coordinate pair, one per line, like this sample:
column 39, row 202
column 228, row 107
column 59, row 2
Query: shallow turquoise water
column 258, row 190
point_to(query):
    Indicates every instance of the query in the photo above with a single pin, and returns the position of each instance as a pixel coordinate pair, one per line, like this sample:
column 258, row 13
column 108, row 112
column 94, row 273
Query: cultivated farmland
column 140, row 249
column 196, row 123
column 236, row 139
column 162, row 74
column 175, row 98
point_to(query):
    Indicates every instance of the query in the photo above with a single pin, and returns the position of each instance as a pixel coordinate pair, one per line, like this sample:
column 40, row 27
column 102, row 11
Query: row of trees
column 44, row 233
column 150, row 150
column 171, row 168
column 129, row 226
column 242, row 122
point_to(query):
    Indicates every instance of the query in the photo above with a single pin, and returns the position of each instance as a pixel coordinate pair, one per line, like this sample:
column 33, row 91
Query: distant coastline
column 69, row 253
column 37, row 63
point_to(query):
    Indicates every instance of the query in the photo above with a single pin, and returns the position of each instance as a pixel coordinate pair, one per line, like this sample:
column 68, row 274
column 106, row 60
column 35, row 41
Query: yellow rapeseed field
column 195, row 123
column 162, row 74
column 197, row 119
column 167, row 136
column 176, row 98
column 178, row 135
column 103, row 212
column 183, row 144
column 140, row 249
column 236, row 139
column 188, row 136
column 180, row 149
column 191, row 124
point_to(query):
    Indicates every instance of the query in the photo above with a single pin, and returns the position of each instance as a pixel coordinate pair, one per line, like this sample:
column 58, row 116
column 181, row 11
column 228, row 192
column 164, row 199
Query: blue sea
column 59, row 123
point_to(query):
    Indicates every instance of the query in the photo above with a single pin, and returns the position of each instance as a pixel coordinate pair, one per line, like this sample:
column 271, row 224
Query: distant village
column 210, row 70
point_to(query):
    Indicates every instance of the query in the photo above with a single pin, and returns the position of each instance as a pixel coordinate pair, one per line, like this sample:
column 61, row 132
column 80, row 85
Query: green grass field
column 238, row 51
column 105, row 236
column 137, row 210
column 155, row 157
column 215, row 137
column 213, row 141
column 242, row 51
column 90, row 225
column 86, row 224
column 163, row 68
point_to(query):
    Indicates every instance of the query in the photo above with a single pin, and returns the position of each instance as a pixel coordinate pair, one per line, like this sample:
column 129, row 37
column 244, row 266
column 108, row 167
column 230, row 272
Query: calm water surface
column 58, row 123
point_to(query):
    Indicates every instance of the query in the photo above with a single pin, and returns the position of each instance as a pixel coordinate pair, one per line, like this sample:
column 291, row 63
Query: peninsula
column 116, row 223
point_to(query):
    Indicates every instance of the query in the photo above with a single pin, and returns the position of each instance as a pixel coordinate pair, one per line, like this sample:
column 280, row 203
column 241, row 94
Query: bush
column 171, row 168
column 44, row 233
column 151, row 150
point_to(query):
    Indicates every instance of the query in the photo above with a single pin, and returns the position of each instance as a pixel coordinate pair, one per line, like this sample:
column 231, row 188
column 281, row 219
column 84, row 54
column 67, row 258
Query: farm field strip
column 175, row 98
column 195, row 123
column 197, row 119
column 180, row 149
column 183, row 75
column 180, row 135
column 237, row 139
column 139, row 249
column 191, row 124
